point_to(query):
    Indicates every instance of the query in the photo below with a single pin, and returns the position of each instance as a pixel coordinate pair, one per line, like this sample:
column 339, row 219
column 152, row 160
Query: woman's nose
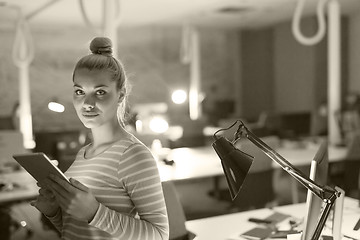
column 89, row 103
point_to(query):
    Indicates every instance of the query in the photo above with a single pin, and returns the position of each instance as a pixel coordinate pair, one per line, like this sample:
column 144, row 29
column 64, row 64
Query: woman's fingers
column 79, row 185
column 46, row 193
column 62, row 190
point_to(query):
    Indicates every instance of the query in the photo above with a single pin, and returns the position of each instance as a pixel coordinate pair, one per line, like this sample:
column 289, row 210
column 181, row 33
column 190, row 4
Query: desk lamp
column 236, row 165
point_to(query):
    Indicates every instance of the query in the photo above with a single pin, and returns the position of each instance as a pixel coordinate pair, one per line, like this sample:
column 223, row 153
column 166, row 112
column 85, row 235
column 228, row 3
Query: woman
column 115, row 190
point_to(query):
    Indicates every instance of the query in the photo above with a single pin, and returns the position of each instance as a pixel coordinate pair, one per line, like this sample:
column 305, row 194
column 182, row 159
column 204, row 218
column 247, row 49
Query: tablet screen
column 38, row 165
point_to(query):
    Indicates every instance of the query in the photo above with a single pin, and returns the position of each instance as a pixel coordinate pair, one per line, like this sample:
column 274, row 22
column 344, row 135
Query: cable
column 85, row 16
column 321, row 23
column 23, row 50
column 40, row 9
column 90, row 24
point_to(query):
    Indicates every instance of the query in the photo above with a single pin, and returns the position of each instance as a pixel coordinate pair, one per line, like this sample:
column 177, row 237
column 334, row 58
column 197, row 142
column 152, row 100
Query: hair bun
column 102, row 46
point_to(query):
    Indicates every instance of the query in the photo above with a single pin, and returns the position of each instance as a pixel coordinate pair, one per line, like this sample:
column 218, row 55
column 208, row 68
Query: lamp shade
column 236, row 164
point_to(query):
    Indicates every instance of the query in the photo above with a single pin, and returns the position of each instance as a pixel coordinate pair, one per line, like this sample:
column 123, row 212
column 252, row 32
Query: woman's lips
column 90, row 115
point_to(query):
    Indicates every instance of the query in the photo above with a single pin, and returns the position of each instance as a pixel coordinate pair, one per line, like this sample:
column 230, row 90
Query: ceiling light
column 56, row 107
column 158, row 125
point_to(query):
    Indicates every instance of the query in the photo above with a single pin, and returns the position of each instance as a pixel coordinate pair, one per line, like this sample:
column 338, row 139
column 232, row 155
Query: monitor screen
column 297, row 124
column 319, row 174
column 11, row 142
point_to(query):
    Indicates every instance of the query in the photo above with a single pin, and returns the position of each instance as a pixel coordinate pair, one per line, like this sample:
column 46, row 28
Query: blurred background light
column 179, row 96
column 139, row 125
column 56, row 107
column 158, row 125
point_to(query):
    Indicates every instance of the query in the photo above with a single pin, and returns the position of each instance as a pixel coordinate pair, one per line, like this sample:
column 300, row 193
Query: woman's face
column 95, row 97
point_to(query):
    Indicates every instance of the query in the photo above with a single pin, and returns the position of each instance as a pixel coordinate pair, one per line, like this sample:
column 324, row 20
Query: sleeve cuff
column 98, row 215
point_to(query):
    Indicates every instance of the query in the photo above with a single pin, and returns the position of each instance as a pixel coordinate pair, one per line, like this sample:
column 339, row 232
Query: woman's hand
column 74, row 198
column 46, row 202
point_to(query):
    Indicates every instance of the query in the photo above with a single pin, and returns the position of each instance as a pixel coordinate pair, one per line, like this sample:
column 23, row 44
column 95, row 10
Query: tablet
column 38, row 165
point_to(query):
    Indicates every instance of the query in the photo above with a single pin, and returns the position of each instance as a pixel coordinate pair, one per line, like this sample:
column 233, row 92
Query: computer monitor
column 319, row 174
column 296, row 124
column 11, row 142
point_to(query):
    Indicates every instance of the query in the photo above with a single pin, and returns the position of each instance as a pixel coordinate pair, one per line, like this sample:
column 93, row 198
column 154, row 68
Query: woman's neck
column 107, row 134
column 103, row 137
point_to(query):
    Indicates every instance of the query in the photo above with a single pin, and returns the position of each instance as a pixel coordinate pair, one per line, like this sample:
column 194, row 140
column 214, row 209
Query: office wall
column 257, row 72
column 278, row 74
column 294, row 70
column 302, row 70
column 287, row 76
column 151, row 55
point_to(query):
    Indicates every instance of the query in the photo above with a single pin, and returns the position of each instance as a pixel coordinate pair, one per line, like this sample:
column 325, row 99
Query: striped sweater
column 125, row 181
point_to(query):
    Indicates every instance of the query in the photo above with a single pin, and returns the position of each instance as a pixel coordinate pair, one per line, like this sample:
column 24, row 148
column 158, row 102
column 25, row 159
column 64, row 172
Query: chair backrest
column 175, row 212
column 352, row 171
column 354, row 147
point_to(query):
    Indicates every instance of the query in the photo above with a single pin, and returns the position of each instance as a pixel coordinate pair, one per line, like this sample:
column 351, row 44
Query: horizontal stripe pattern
column 125, row 181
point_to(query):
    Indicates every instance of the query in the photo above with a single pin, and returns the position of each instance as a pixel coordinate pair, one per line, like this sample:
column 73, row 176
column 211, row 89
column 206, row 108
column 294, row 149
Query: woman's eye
column 100, row 92
column 78, row 92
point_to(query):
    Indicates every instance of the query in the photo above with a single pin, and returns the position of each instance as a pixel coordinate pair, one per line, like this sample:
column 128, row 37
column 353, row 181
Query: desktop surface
column 200, row 162
column 231, row 226
column 190, row 163
column 21, row 186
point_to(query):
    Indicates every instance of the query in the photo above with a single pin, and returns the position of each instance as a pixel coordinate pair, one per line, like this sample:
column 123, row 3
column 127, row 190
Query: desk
column 343, row 172
column 190, row 163
column 199, row 162
column 202, row 162
column 25, row 187
column 225, row 226
column 304, row 156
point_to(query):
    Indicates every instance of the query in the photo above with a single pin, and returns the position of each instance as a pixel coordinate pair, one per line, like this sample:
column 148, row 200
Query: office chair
column 175, row 213
column 352, row 166
column 258, row 189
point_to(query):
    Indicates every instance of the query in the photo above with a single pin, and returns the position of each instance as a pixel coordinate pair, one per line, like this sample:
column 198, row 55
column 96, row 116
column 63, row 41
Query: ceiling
column 213, row 13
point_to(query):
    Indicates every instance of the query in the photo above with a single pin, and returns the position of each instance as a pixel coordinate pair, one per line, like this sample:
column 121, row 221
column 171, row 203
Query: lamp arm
column 323, row 217
column 327, row 194
column 318, row 190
